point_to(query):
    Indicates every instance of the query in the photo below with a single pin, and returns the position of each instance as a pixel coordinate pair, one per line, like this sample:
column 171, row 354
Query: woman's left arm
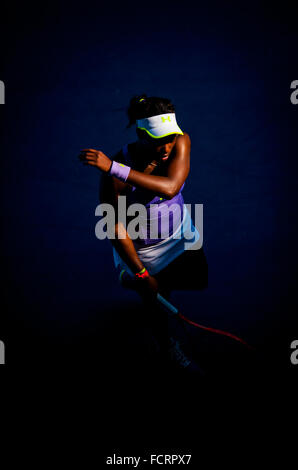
column 179, row 166
column 164, row 186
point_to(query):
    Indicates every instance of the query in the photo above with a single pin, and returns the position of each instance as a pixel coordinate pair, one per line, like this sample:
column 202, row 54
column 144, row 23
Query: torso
column 140, row 160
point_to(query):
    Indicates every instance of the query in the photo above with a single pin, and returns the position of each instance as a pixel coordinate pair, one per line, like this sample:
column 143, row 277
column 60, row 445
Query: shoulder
column 126, row 154
column 183, row 144
column 183, row 139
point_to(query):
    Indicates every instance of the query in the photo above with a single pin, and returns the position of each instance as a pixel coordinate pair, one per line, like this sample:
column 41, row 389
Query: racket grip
column 168, row 306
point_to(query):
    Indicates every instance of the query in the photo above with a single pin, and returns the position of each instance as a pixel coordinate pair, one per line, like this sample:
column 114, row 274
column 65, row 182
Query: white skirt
column 156, row 257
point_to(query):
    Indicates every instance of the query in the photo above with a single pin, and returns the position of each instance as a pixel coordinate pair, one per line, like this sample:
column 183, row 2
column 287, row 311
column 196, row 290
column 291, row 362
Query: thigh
column 189, row 271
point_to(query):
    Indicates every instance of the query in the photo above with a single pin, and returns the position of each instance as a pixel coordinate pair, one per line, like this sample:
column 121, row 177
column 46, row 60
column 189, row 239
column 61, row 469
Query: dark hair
column 142, row 106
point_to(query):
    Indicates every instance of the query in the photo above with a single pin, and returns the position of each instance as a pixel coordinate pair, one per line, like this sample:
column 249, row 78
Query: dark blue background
column 69, row 73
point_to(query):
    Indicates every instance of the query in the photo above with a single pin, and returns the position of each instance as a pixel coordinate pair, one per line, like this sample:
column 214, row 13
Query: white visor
column 160, row 126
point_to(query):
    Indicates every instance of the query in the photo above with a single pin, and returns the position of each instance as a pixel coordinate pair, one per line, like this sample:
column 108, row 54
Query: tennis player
column 152, row 171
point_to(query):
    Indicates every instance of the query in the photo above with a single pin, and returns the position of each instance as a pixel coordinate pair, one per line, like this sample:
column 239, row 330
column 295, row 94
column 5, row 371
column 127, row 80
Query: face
column 160, row 148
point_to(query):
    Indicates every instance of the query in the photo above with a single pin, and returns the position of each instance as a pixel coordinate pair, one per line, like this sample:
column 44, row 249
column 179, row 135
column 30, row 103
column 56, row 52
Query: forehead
column 162, row 141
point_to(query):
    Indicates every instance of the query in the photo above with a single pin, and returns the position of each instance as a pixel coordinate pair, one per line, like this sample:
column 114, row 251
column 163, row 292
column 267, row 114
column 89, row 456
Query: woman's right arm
column 110, row 189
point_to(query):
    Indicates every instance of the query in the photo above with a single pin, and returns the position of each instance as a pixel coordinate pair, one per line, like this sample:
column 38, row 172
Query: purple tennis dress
column 169, row 219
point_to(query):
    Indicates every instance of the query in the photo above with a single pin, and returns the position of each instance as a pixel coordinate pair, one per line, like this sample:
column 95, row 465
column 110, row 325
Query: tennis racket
column 128, row 282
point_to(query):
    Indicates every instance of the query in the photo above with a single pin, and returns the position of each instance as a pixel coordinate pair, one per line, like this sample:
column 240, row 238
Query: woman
column 152, row 171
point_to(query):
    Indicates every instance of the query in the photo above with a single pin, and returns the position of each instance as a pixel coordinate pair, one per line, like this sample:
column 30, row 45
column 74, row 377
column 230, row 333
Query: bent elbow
column 171, row 191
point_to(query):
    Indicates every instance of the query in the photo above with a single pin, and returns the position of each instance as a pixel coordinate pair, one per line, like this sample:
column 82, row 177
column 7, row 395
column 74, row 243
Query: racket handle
column 169, row 307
